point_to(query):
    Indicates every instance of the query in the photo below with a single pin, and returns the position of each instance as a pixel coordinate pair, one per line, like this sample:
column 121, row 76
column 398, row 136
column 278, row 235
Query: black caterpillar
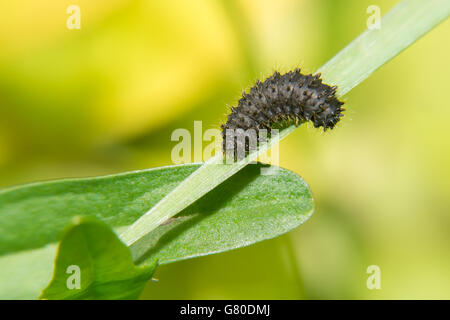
column 280, row 101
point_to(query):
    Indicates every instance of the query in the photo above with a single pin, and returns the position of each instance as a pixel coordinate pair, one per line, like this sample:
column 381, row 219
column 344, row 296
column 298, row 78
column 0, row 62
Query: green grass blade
column 400, row 27
column 211, row 174
column 403, row 25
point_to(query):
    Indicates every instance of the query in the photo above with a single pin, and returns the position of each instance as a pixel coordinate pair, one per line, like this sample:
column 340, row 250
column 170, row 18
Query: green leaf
column 247, row 208
column 93, row 263
column 32, row 216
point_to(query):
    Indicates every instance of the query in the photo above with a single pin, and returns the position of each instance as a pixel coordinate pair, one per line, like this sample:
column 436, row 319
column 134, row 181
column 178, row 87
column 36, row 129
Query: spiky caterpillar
column 280, row 101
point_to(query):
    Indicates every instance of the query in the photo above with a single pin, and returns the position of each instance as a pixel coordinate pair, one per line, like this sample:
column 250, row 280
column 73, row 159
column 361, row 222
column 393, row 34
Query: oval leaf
column 247, row 208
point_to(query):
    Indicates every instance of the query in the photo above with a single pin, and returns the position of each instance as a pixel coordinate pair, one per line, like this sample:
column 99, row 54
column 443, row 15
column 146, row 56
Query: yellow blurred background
column 105, row 98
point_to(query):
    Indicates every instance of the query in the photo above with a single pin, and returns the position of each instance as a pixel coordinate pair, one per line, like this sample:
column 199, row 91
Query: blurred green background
column 106, row 98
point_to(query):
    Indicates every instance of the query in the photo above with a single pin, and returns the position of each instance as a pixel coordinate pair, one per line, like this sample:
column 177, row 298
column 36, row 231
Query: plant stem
column 400, row 27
